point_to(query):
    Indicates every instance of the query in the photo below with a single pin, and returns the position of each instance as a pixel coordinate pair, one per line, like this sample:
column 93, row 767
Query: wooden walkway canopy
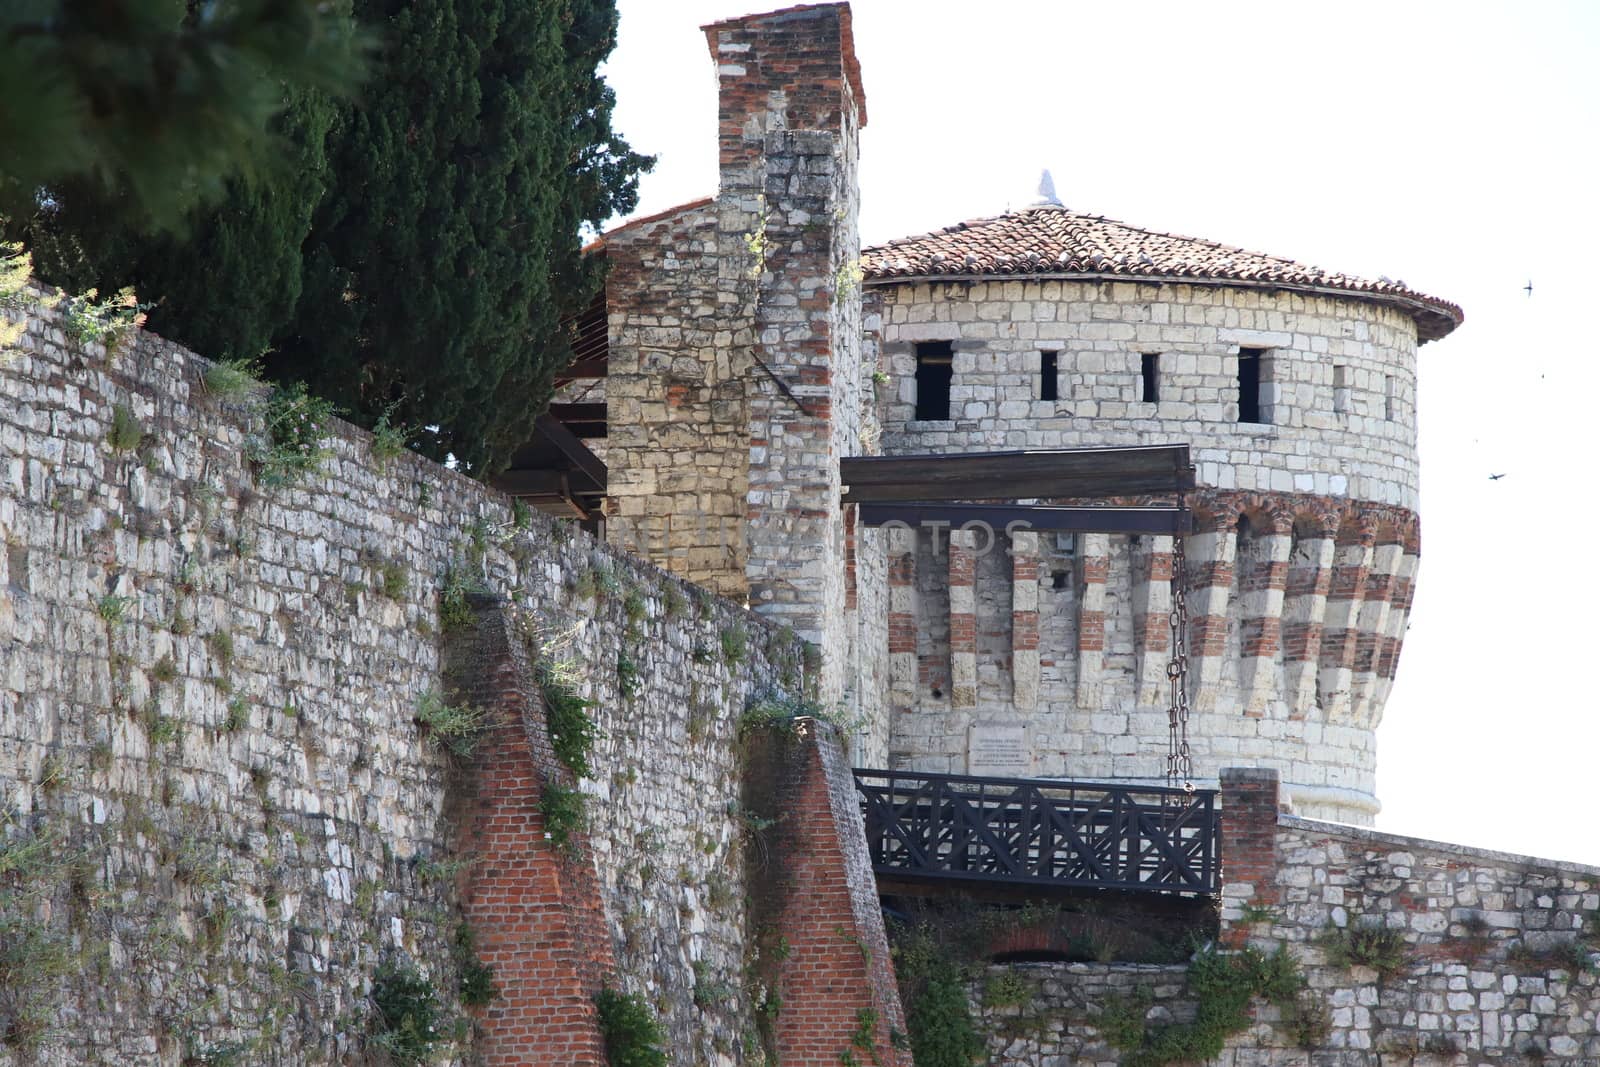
column 932, row 488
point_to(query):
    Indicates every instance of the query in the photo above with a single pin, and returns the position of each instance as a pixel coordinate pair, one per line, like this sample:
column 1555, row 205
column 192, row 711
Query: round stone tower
column 1295, row 390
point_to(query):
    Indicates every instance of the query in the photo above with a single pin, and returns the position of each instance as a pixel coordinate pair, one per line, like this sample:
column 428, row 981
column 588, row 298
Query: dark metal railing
column 1034, row 831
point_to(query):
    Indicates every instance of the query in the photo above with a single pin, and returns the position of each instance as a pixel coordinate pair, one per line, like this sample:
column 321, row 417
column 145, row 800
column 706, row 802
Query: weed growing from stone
column 563, row 816
column 1224, row 984
column 627, row 676
column 735, row 645
column 394, row 580
column 572, row 732
column 231, row 378
column 1008, row 990
column 521, row 515
column 16, row 268
column 389, row 439
column 708, row 992
column 455, row 612
column 32, row 957
column 164, row 671
column 440, row 870
column 1366, row 945
column 584, row 586
column 90, row 320
column 52, row 772
column 477, row 978
column 160, row 729
column 238, row 715
column 1572, row 956
column 297, row 424
column 221, row 644
column 125, row 433
column 410, row 1024
column 1256, row 913
column 113, row 610
column 632, row 1034
column 634, row 607
column 457, row 728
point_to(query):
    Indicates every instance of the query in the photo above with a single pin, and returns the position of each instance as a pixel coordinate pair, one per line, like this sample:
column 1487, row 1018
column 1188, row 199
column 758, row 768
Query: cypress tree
column 156, row 103
column 413, row 249
column 446, row 250
column 225, row 282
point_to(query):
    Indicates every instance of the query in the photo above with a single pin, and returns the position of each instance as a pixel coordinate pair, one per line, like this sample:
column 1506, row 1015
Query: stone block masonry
column 738, row 377
column 1474, row 956
column 1305, row 546
column 209, row 694
column 1271, row 611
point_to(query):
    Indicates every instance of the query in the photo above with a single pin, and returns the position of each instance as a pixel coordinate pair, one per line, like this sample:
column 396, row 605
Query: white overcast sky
column 1452, row 145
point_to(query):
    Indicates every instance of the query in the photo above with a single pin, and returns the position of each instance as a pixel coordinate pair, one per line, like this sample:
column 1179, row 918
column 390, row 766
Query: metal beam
column 1157, row 520
column 1065, row 473
column 575, row 450
column 588, row 411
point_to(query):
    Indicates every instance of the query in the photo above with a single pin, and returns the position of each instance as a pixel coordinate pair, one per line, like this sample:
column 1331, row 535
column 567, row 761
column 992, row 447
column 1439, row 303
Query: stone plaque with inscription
column 1001, row 751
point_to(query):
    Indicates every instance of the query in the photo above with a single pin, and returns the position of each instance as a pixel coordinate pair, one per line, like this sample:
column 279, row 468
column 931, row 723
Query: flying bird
column 1529, row 287
column 1496, row 477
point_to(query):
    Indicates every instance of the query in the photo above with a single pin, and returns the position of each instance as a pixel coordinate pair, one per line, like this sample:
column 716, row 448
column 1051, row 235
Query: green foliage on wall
column 563, row 815
column 632, row 1034
column 1368, row 945
column 410, row 1023
column 572, row 732
column 1223, row 984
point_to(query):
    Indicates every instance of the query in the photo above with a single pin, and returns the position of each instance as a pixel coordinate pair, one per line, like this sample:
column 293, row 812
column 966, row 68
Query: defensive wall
column 230, row 796
column 1409, row 951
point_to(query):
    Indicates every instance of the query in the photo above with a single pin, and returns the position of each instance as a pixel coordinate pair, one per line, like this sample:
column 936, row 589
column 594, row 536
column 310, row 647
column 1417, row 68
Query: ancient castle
column 973, row 497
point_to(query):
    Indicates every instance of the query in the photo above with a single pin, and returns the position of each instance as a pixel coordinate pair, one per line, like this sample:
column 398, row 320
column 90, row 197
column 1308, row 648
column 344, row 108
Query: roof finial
column 1047, row 191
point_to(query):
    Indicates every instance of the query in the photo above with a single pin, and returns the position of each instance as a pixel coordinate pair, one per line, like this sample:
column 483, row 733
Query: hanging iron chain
column 1180, row 768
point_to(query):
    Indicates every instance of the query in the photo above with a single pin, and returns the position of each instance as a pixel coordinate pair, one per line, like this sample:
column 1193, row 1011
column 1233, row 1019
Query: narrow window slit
column 1250, row 361
column 1150, row 374
column 933, row 380
column 1047, row 376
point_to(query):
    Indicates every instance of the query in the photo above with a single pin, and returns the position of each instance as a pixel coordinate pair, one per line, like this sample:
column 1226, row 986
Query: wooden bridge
column 1039, row 832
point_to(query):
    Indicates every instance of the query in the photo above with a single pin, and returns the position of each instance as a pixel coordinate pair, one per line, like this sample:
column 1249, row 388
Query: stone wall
column 209, row 696
column 738, row 377
column 1487, row 957
column 1340, row 393
column 678, row 421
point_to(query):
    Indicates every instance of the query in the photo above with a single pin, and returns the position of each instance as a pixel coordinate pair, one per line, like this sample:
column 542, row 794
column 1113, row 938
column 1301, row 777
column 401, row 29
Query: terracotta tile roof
column 1055, row 241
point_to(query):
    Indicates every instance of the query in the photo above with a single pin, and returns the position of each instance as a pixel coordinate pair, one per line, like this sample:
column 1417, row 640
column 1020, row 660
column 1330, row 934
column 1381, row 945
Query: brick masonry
column 838, row 984
column 536, row 910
